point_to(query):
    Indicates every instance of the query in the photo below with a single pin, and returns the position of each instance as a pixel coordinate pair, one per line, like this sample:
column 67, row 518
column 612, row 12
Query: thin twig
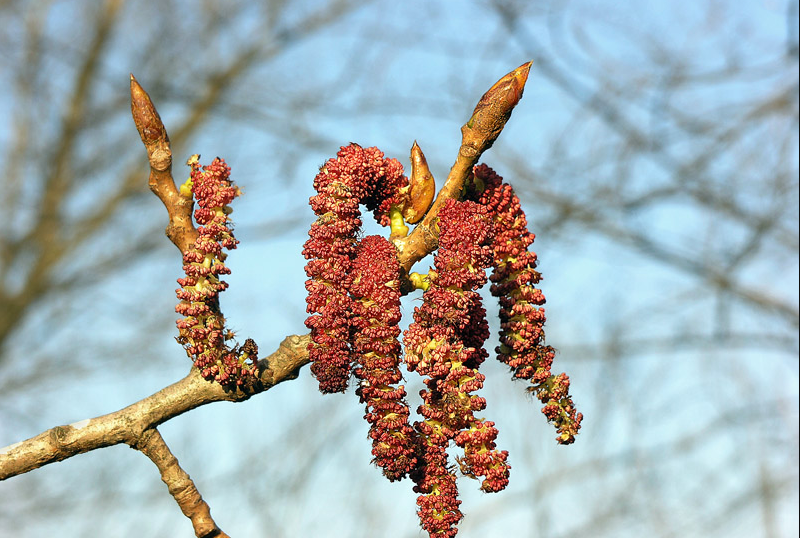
column 477, row 135
column 180, row 230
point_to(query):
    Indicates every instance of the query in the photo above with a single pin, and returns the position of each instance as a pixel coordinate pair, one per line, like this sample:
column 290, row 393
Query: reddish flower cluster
column 445, row 343
column 376, row 313
column 355, row 176
column 354, row 306
column 521, row 315
column 202, row 330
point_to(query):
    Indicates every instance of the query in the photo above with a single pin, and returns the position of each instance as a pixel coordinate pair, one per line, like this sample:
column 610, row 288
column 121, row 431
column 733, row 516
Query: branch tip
column 493, row 111
column 145, row 116
column 477, row 135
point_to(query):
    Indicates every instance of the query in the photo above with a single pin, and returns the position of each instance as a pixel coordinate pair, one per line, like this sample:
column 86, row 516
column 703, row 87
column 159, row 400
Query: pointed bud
column 421, row 187
column 145, row 115
column 150, row 127
column 493, row 111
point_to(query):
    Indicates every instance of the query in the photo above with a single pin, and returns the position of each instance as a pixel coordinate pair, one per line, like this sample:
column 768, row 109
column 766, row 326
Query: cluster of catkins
column 202, row 330
column 354, row 306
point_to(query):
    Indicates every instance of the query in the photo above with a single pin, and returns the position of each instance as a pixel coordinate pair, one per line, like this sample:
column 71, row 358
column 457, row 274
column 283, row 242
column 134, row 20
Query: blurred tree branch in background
column 75, row 196
column 705, row 155
column 690, row 164
column 64, row 127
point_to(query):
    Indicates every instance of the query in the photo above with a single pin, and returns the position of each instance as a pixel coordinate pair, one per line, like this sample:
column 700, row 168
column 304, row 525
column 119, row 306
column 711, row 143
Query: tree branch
column 136, row 424
column 180, row 230
column 477, row 135
column 128, row 425
column 180, row 485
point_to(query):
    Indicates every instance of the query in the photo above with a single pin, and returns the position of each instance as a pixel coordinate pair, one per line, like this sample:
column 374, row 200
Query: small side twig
column 179, row 484
column 180, row 230
column 477, row 135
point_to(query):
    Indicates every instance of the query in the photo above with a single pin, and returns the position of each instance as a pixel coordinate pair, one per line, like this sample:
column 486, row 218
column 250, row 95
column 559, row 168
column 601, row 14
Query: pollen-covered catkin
column 445, row 344
column 522, row 316
column 202, row 330
column 357, row 175
column 375, row 289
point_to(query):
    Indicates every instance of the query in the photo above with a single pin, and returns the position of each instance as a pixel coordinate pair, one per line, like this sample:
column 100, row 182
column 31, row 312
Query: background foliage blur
column 656, row 153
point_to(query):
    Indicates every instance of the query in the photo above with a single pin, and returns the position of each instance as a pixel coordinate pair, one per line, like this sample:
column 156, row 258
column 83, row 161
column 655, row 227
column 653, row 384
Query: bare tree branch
column 129, row 424
column 477, row 135
column 180, row 484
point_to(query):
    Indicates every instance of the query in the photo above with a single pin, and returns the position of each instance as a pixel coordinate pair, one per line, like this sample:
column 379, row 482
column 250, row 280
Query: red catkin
column 375, row 290
column 522, row 316
column 202, row 330
column 354, row 310
column 445, row 344
column 356, row 176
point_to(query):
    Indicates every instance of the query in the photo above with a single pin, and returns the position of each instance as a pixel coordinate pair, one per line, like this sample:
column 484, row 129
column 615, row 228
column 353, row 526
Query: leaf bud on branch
column 493, row 111
column 421, row 187
column 479, row 133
